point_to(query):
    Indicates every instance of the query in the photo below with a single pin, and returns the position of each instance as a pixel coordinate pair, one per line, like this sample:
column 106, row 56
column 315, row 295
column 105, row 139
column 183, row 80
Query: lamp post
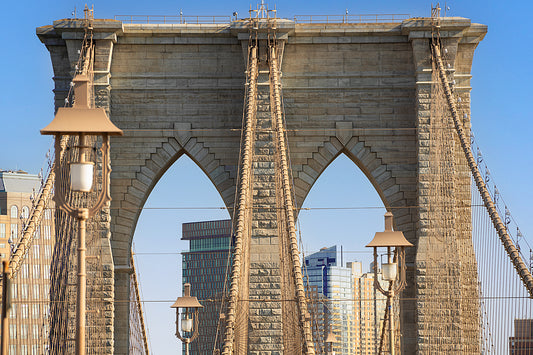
column 81, row 121
column 395, row 261
column 190, row 306
column 6, row 306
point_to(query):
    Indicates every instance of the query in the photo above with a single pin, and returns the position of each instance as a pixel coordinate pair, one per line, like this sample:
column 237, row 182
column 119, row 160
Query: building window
column 36, row 271
column 14, row 212
column 47, row 232
column 13, row 312
column 14, row 231
column 35, row 311
column 24, row 293
column 25, row 212
column 47, row 251
column 48, row 213
column 2, row 230
column 23, row 331
column 36, row 294
column 24, row 270
column 13, row 331
column 24, row 310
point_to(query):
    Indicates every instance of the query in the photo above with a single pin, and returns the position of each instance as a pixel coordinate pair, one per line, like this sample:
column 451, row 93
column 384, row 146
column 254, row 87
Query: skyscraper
column 205, row 267
column 344, row 302
column 334, row 282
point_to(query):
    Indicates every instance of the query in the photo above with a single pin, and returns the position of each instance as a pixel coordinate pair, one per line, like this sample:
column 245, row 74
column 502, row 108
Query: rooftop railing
column 198, row 20
column 161, row 19
column 376, row 18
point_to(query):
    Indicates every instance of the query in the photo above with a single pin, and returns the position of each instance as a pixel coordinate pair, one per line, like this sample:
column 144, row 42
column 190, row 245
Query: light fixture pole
column 395, row 260
column 81, row 121
column 189, row 313
column 6, row 306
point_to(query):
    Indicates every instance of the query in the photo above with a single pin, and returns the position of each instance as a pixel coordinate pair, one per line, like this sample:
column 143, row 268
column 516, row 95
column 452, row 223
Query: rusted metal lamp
column 189, row 316
column 395, row 262
column 81, row 121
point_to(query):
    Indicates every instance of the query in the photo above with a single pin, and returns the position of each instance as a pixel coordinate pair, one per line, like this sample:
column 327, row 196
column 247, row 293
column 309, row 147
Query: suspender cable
column 506, row 240
column 243, row 201
column 289, row 206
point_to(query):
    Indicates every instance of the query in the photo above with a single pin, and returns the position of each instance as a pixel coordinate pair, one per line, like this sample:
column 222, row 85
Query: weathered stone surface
column 178, row 89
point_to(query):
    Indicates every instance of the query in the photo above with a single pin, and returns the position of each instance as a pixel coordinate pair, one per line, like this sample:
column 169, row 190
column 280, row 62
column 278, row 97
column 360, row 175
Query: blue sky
column 501, row 119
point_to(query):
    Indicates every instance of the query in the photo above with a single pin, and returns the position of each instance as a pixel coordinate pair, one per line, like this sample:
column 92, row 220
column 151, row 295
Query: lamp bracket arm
column 104, row 195
column 59, row 193
column 196, row 328
column 178, row 335
column 399, row 286
column 378, row 285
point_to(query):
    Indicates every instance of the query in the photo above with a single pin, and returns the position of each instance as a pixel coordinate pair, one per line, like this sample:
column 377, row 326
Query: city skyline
column 167, row 206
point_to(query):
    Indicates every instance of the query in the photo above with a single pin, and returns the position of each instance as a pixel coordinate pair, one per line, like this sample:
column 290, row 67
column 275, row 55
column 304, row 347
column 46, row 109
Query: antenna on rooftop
column 446, row 9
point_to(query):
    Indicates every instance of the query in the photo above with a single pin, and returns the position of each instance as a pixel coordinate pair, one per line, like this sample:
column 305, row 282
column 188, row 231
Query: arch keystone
column 343, row 132
column 182, row 132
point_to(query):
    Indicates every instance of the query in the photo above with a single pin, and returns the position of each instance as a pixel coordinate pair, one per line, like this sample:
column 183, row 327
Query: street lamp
column 189, row 315
column 395, row 261
column 81, row 121
column 330, row 340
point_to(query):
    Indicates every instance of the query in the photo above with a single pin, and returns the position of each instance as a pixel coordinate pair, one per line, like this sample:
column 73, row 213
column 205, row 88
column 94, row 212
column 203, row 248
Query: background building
column 343, row 301
column 205, row 267
column 369, row 306
column 325, row 270
column 29, row 321
column 522, row 341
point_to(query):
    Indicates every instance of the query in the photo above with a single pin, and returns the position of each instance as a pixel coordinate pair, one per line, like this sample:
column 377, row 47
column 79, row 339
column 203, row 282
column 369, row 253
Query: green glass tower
column 205, row 267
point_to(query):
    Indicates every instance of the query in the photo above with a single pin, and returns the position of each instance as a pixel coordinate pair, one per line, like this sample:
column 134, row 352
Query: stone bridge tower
column 363, row 90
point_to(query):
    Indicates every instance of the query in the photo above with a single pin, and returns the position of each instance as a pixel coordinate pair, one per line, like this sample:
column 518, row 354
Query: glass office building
column 205, row 267
column 344, row 302
column 325, row 270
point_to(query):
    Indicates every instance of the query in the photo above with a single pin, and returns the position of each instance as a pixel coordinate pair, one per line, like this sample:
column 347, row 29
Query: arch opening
column 343, row 204
column 340, row 215
column 184, row 193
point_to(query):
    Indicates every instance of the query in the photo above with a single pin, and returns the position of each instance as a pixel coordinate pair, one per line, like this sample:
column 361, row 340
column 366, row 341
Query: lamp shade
column 81, row 118
column 389, row 271
column 81, row 176
column 331, row 338
column 187, row 301
column 389, row 238
column 186, row 325
column 73, row 120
